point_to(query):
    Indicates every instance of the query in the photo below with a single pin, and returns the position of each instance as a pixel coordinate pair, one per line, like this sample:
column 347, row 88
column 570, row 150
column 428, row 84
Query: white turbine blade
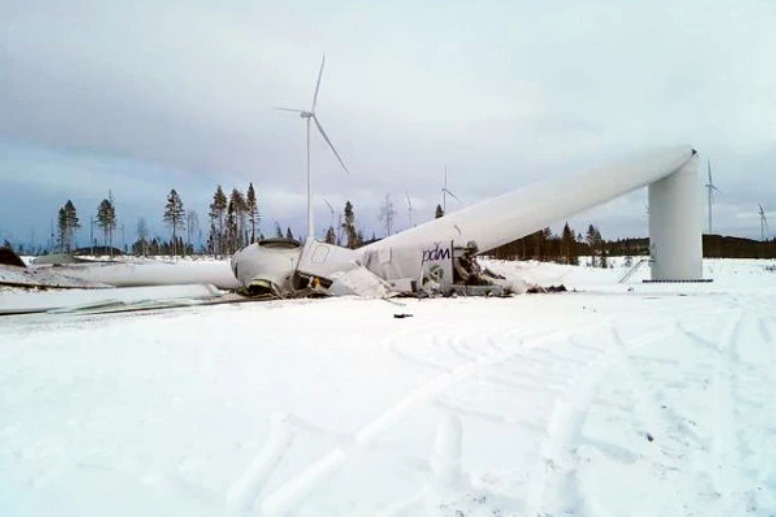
column 318, row 84
column 331, row 208
column 712, row 187
column 323, row 134
column 452, row 195
column 289, row 109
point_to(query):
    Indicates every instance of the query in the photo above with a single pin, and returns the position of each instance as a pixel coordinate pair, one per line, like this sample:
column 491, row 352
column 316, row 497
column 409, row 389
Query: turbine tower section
column 676, row 225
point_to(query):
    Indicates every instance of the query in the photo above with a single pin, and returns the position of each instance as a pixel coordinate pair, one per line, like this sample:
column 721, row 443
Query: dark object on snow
column 466, row 270
column 9, row 258
column 97, row 251
column 552, row 289
column 402, row 315
column 650, row 437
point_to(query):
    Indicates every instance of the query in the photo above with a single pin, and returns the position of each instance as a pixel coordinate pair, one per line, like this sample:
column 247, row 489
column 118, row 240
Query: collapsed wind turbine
column 711, row 188
column 310, row 115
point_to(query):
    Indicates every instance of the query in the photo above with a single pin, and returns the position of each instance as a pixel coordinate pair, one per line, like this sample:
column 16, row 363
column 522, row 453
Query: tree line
column 233, row 222
column 565, row 248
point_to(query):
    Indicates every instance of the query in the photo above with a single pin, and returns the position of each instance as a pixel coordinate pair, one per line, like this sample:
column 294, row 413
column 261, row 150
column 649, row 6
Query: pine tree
column 278, row 230
column 349, row 225
column 217, row 210
column 569, row 246
column 67, row 224
column 439, row 212
column 173, row 216
column 289, row 233
column 231, row 227
column 239, row 209
column 331, row 236
column 253, row 211
column 62, row 230
column 595, row 242
column 106, row 220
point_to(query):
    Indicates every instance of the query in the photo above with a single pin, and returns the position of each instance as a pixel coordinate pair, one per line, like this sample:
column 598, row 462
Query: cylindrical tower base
column 675, row 225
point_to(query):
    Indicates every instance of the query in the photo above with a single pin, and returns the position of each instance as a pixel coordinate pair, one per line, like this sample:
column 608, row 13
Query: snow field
column 653, row 401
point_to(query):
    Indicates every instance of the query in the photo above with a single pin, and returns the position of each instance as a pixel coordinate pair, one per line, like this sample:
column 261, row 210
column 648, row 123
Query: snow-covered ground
column 617, row 399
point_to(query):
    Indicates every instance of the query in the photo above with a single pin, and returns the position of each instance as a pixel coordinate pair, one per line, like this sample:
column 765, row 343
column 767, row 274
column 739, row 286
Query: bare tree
column 192, row 225
column 387, row 214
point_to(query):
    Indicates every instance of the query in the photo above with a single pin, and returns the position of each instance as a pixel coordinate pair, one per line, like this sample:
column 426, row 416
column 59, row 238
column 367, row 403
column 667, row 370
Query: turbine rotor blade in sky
column 318, row 84
column 325, row 137
column 452, row 195
column 331, row 208
column 292, row 110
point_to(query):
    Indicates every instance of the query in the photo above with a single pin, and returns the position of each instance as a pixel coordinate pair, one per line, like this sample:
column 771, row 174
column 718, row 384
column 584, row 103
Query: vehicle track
column 292, row 493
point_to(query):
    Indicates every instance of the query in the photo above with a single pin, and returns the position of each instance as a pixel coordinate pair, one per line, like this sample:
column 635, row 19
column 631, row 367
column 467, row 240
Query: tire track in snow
column 724, row 466
column 292, row 493
column 739, row 474
column 555, row 479
column 725, row 481
column 765, row 332
column 395, row 344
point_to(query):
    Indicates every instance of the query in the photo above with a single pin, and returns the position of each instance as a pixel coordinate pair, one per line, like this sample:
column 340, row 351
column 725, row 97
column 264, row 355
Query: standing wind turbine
column 711, row 188
column 763, row 223
column 339, row 221
column 445, row 193
column 310, row 115
column 331, row 209
column 409, row 208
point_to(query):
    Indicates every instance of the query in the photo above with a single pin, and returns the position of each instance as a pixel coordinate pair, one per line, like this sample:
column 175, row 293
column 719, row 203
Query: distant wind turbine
column 711, row 188
column 763, row 223
column 331, row 209
column 445, row 193
column 409, row 208
column 339, row 221
column 308, row 116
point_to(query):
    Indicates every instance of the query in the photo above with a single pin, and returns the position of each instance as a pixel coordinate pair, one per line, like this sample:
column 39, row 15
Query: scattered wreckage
column 286, row 268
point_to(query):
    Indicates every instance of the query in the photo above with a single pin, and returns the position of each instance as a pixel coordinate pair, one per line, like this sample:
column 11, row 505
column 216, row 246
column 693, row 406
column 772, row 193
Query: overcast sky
column 144, row 96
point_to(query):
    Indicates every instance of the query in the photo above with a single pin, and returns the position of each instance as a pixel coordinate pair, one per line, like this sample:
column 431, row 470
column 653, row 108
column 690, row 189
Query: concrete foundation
column 676, row 224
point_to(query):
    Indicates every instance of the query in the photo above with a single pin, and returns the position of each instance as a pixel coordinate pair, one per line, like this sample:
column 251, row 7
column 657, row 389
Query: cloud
column 503, row 93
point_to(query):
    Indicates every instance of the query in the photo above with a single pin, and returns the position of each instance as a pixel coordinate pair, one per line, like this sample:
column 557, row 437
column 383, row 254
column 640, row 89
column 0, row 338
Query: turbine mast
column 709, row 188
column 308, row 115
column 310, row 215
